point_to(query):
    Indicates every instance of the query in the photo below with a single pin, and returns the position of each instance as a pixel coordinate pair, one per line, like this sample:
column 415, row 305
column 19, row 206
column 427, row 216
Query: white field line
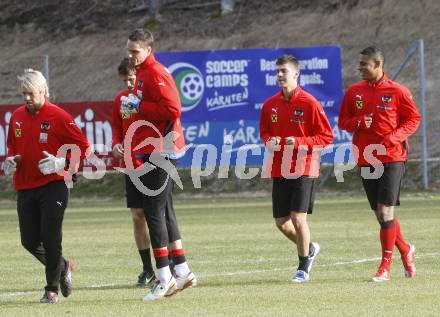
column 353, row 262
column 317, row 265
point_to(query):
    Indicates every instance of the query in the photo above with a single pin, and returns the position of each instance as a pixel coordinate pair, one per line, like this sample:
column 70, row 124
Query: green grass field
column 243, row 263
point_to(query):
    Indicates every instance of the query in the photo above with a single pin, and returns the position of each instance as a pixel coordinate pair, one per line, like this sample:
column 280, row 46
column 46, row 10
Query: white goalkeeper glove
column 273, row 144
column 10, row 164
column 130, row 104
column 290, row 140
column 51, row 164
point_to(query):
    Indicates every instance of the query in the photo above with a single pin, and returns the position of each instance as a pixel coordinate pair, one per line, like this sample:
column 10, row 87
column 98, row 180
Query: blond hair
column 34, row 80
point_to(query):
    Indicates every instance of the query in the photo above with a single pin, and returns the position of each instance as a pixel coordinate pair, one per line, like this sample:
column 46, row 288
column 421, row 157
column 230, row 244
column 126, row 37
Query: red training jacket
column 30, row 134
column 395, row 118
column 119, row 124
column 160, row 105
column 302, row 117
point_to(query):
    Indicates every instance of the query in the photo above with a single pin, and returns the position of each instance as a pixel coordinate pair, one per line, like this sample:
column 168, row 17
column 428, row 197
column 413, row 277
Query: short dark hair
column 374, row 52
column 125, row 68
column 145, row 37
column 287, row 59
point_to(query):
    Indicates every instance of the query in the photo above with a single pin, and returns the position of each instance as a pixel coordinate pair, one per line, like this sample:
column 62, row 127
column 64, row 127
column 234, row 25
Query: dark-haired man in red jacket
column 156, row 102
column 382, row 115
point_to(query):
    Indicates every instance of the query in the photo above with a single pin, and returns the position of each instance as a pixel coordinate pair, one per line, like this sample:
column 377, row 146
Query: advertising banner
column 222, row 93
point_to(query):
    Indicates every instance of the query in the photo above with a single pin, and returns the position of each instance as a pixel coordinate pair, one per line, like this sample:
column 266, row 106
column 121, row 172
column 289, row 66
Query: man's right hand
column 118, row 151
column 368, row 120
column 10, row 164
column 130, row 104
column 274, row 144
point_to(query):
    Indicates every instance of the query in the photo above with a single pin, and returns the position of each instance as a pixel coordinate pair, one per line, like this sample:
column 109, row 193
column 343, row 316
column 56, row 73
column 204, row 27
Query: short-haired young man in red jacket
column 156, row 101
column 381, row 114
column 37, row 131
column 294, row 127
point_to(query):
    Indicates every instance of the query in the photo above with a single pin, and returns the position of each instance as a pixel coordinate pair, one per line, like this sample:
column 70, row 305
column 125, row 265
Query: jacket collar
column 42, row 108
column 148, row 61
column 384, row 79
column 293, row 96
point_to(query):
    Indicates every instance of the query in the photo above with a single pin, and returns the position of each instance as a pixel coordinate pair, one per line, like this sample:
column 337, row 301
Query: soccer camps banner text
column 222, row 93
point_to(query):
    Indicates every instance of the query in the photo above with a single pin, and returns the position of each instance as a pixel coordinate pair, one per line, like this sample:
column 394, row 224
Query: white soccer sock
column 164, row 274
column 182, row 269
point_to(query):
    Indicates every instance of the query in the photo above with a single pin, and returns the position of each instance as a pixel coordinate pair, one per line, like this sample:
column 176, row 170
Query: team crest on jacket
column 359, row 104
column 45, row 126
column 18, row 133
column 140, row 84
column 386, row 99
column 274, row 117
column 299, row 112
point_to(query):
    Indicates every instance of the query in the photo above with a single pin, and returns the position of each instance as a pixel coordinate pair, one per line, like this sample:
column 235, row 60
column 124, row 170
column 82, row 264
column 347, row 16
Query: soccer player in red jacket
column 156, row 101
column 120, row 124
column 382, row 115
column 294, row 127
column 37, row 131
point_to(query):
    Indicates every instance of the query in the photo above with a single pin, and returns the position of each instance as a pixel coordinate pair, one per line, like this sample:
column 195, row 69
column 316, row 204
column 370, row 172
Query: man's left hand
column 51, row 164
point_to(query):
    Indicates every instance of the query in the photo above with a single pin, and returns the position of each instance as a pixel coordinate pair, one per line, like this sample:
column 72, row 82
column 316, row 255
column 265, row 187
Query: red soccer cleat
column 408, row 262
column 382, row 275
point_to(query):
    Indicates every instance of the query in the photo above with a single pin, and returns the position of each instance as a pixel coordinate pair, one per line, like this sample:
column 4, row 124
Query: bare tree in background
column 154, row 6
column 227, row 6
column 153, row 9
